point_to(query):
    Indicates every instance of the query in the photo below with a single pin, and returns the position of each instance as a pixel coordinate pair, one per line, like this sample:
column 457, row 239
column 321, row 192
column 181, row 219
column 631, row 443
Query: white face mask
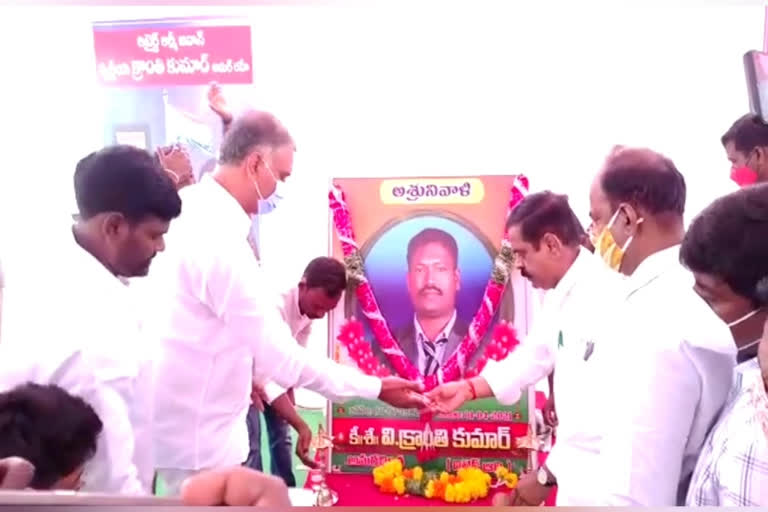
column 268, row 204
column 744, row 318
column 741, row 320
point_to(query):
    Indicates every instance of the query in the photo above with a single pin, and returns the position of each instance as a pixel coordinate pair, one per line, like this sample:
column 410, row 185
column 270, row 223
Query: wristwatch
column 545, row 478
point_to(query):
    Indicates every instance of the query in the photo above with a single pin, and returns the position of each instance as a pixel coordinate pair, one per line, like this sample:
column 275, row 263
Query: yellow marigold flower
column 429, row 491
column 450, row 493
column 511, row 480
column 462, row 492
column 444, row 477
column 399, row 484
column 501, row 472
column 418, row 473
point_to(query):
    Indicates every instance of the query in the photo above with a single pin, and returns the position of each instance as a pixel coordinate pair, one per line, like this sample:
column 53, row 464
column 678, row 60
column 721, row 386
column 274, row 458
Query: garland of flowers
column 465, row 485
column 456, row 366
column 503, row 341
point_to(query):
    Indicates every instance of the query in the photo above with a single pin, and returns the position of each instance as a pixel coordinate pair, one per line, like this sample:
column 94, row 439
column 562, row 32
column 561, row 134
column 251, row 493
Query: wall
column 473, row 87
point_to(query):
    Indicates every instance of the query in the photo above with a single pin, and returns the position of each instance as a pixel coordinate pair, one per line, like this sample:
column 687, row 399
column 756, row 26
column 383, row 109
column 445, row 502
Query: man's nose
column 160, row 245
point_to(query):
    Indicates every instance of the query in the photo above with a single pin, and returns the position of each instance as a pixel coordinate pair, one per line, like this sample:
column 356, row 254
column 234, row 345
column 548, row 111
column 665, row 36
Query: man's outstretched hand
column 218, row 103
column 450, row 396
column 175, row 159
column 403, row 394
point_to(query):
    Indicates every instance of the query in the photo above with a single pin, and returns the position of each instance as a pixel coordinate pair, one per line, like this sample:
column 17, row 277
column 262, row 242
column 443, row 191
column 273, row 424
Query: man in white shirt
column 672, row 359
column 212, row 317
column 726, row 248
column 72, row 325
column 546, row 239
column 434, row 333
column 318, row 292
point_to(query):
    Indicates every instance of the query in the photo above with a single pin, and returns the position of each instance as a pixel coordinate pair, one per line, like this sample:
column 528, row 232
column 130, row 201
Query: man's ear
column 760, row 158
column 112, row 224
column 551, row 243
column 252, row 162
column 630, row 218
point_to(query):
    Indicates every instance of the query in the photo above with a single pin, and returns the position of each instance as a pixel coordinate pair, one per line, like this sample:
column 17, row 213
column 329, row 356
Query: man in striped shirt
column 727, row 250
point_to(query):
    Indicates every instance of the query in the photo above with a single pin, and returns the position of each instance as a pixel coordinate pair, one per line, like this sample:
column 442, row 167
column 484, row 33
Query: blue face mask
column 269, row 204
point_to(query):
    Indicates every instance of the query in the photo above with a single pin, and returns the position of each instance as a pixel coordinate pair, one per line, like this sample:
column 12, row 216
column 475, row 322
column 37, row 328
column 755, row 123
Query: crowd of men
column 652, row 341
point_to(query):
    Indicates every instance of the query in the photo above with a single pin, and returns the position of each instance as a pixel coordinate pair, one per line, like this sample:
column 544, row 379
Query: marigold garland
column 351, row 335
column 464, row 486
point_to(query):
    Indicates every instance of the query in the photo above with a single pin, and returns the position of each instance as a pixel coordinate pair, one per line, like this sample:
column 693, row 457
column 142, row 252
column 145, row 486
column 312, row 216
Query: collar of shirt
column 580, row 267
column 444, row 334
column 296, row 319
column 82, row 262
column 223, row 206
column 653, row 266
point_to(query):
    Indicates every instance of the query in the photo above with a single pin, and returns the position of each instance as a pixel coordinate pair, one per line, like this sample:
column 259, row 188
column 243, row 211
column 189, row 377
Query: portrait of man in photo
column 433, row 281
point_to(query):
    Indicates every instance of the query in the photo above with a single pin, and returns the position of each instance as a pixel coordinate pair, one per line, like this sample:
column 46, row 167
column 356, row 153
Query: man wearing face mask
column 214, row 317
column 672, row 355
column 279, row 406
column 727, row 250
column 746, row 145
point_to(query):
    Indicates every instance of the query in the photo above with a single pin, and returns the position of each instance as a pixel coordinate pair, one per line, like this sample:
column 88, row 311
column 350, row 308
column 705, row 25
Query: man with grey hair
column 214, row 317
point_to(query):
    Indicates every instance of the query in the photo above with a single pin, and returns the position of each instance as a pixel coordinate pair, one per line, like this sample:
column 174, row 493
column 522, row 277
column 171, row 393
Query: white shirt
column 74, row 327
column 422, row 338
column 668, row 382
column 212, row 317
column 300, row 326
column 574, row 312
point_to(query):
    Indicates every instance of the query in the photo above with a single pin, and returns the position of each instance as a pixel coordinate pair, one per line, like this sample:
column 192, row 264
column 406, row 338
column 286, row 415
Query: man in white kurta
column 72, row 323
column 671, row 358
column 675, row 366
column 566, row 335
column 212, row 315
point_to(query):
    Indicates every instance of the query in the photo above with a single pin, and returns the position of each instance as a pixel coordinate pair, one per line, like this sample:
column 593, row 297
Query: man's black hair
column 546, row 212
column 746, row 134
column 436, row 236
column 53, row 430
column 126, row 180
column 729, row 240
column 328, row 274
column 645, row 179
